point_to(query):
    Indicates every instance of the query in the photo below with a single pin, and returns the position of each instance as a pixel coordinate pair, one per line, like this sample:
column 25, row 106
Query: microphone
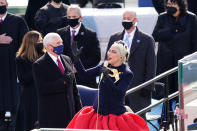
column 105, row 65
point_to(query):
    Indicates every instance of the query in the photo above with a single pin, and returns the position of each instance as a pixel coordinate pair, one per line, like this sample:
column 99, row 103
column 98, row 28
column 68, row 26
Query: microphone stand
column 105, row 65
column 7, row 119
column 165, row 116
column 168, row 116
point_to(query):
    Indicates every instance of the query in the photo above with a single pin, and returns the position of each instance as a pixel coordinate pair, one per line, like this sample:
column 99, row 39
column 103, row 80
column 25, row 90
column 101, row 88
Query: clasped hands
column 68, row 77
column 177, row 27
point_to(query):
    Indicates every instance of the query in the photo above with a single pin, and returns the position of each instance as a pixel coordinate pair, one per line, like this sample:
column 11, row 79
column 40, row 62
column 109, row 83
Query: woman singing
column 109, row 112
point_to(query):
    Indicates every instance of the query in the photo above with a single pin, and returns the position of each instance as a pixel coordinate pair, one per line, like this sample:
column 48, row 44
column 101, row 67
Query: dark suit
column 142, row 62
column 90, row 55
column 58, row 102
column 15, row 27
column 192, row 6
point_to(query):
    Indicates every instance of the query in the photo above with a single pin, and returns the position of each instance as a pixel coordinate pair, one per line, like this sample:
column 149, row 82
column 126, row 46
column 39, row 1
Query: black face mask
column 57, row 1
column 127, row 24
column 3, row 9
column 171, row 10
column 39, row 47
column 73, row 22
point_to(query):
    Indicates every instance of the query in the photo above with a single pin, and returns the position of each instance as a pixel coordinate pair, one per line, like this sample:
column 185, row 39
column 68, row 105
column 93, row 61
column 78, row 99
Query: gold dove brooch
column 114, row 74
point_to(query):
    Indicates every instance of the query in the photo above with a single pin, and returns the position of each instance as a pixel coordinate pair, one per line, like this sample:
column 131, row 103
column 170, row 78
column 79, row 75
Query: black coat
column 15, row 27
column 90, row 55
column 49, row 19
column 142, row 63
column 174, row 45
column 58, row 102
column 29, row 99
column 32, row 7
column 159, row 5
column 192, row 6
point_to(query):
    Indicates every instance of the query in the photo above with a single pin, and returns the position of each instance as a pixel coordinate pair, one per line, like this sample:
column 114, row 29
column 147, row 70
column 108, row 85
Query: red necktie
column 60, row 66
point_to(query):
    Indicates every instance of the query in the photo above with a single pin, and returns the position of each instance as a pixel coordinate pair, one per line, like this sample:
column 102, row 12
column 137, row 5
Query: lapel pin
column 82, row 33
column 138, row 41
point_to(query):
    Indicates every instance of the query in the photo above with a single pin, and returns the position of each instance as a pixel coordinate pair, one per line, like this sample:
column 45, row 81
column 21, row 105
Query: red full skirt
column 86, row 118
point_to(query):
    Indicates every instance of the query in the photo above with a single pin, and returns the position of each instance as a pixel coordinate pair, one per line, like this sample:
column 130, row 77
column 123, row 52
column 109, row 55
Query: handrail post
column 165, row 122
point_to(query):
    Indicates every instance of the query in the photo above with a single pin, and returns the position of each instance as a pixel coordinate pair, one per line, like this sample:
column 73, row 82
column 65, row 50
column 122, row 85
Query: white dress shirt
column 131, row 35
column 55, row 59
column 3, row 18
column 76, row 30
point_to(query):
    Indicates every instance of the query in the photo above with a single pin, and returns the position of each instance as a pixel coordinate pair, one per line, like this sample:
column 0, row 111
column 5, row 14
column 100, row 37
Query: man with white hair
column 54, row 78
column 141, row 60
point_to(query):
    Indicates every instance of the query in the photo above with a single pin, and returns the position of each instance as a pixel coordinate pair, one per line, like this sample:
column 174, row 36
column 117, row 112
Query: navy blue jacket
column 111, row 95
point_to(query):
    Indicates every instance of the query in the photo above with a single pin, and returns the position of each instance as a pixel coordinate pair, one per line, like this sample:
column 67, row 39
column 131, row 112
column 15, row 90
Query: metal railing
column 168, row 120
column 151, row 81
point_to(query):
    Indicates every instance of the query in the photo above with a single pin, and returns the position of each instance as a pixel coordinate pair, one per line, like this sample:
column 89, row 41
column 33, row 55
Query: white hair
column 123, row 49
column 74, row 7
column 49, row 38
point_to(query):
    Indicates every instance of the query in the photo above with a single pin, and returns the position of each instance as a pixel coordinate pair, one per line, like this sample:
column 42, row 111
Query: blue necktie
column 127, row 41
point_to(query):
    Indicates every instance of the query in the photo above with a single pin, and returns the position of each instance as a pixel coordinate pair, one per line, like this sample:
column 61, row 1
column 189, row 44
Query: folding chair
column 88, row 95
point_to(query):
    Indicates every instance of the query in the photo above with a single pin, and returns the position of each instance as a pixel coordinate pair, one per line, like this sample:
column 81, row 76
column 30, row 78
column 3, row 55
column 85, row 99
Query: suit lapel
column 136, row 42
column 66, row 65
column 7, row 17
column 52, row 63
column 81, row 31
column 67, row 34
column 121, row 36
column 80, row 36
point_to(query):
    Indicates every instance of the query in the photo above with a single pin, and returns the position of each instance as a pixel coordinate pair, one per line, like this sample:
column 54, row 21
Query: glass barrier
column 17, row 6
column 187, row 71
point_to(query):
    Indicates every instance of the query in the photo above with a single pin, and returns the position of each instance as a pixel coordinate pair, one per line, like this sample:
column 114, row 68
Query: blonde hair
column 123, row 49
column 27, row 49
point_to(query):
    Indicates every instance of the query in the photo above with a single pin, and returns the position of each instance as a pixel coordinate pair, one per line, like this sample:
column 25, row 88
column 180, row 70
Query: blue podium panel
column 145, row 3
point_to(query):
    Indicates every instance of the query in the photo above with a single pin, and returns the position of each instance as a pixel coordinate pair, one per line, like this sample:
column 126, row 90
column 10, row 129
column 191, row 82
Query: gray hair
column 74, row 7
column 123, row 49
column 49, row 38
